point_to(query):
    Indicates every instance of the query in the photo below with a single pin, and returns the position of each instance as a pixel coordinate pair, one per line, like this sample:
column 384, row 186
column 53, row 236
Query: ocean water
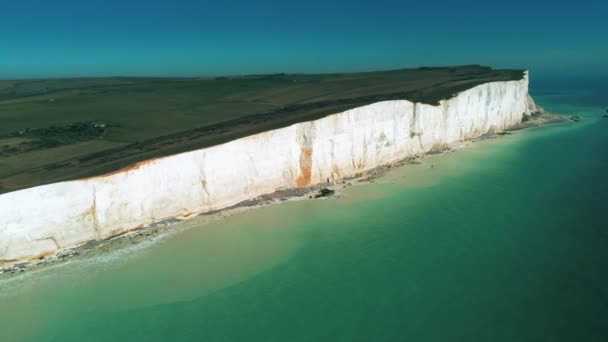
column 503, row 240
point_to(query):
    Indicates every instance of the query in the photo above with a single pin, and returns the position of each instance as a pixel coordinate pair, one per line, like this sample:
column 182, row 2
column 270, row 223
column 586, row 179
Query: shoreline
column 163, row 228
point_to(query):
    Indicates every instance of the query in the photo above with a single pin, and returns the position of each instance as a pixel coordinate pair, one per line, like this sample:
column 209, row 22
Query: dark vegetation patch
column 53, row 136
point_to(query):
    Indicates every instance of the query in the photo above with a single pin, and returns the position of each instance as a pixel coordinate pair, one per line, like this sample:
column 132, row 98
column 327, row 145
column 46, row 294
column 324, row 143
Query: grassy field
column 60, row 129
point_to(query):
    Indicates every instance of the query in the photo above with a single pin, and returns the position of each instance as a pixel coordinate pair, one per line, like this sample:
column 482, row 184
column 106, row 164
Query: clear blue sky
column 44, row 38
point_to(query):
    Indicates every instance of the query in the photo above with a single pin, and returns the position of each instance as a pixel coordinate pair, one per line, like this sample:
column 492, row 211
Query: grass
column 15, row 170
column 29, row 140
column 152, row 117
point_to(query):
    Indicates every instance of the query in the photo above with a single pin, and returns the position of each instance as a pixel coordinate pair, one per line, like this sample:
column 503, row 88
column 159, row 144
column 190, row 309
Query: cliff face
column 44, row 219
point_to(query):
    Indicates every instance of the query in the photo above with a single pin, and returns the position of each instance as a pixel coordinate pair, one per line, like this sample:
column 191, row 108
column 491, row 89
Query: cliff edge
column 40, row 221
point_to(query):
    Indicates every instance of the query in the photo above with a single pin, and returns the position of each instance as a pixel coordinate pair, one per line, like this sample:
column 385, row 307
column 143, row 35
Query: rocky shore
column 541, row 118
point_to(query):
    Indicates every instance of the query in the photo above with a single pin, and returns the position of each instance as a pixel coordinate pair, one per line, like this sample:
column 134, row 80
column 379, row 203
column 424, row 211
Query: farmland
column 59, row 129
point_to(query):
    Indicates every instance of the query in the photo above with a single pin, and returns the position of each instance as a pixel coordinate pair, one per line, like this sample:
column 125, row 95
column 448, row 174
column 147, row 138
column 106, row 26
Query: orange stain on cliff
column 133, row 167
column 305, row 167
column 39, row 256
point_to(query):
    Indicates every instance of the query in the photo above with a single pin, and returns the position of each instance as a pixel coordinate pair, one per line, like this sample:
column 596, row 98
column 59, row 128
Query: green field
column 60, row 129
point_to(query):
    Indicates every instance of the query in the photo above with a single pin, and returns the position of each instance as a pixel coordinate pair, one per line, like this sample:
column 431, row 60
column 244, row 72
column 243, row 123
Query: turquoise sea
column 503, row 240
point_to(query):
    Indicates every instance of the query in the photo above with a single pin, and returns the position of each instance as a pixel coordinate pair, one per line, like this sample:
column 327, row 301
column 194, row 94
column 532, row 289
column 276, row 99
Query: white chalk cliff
column 44, row 219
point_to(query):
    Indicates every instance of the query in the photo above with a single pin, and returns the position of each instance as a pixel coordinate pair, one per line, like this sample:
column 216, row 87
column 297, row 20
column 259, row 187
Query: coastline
column 307, row 153
column 94, row 248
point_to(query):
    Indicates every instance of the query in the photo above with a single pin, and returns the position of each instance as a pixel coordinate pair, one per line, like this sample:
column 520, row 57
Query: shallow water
column 504, row 240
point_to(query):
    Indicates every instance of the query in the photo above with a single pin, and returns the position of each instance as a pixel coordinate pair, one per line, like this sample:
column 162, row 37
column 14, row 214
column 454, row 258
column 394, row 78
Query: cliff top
column 59, row 129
